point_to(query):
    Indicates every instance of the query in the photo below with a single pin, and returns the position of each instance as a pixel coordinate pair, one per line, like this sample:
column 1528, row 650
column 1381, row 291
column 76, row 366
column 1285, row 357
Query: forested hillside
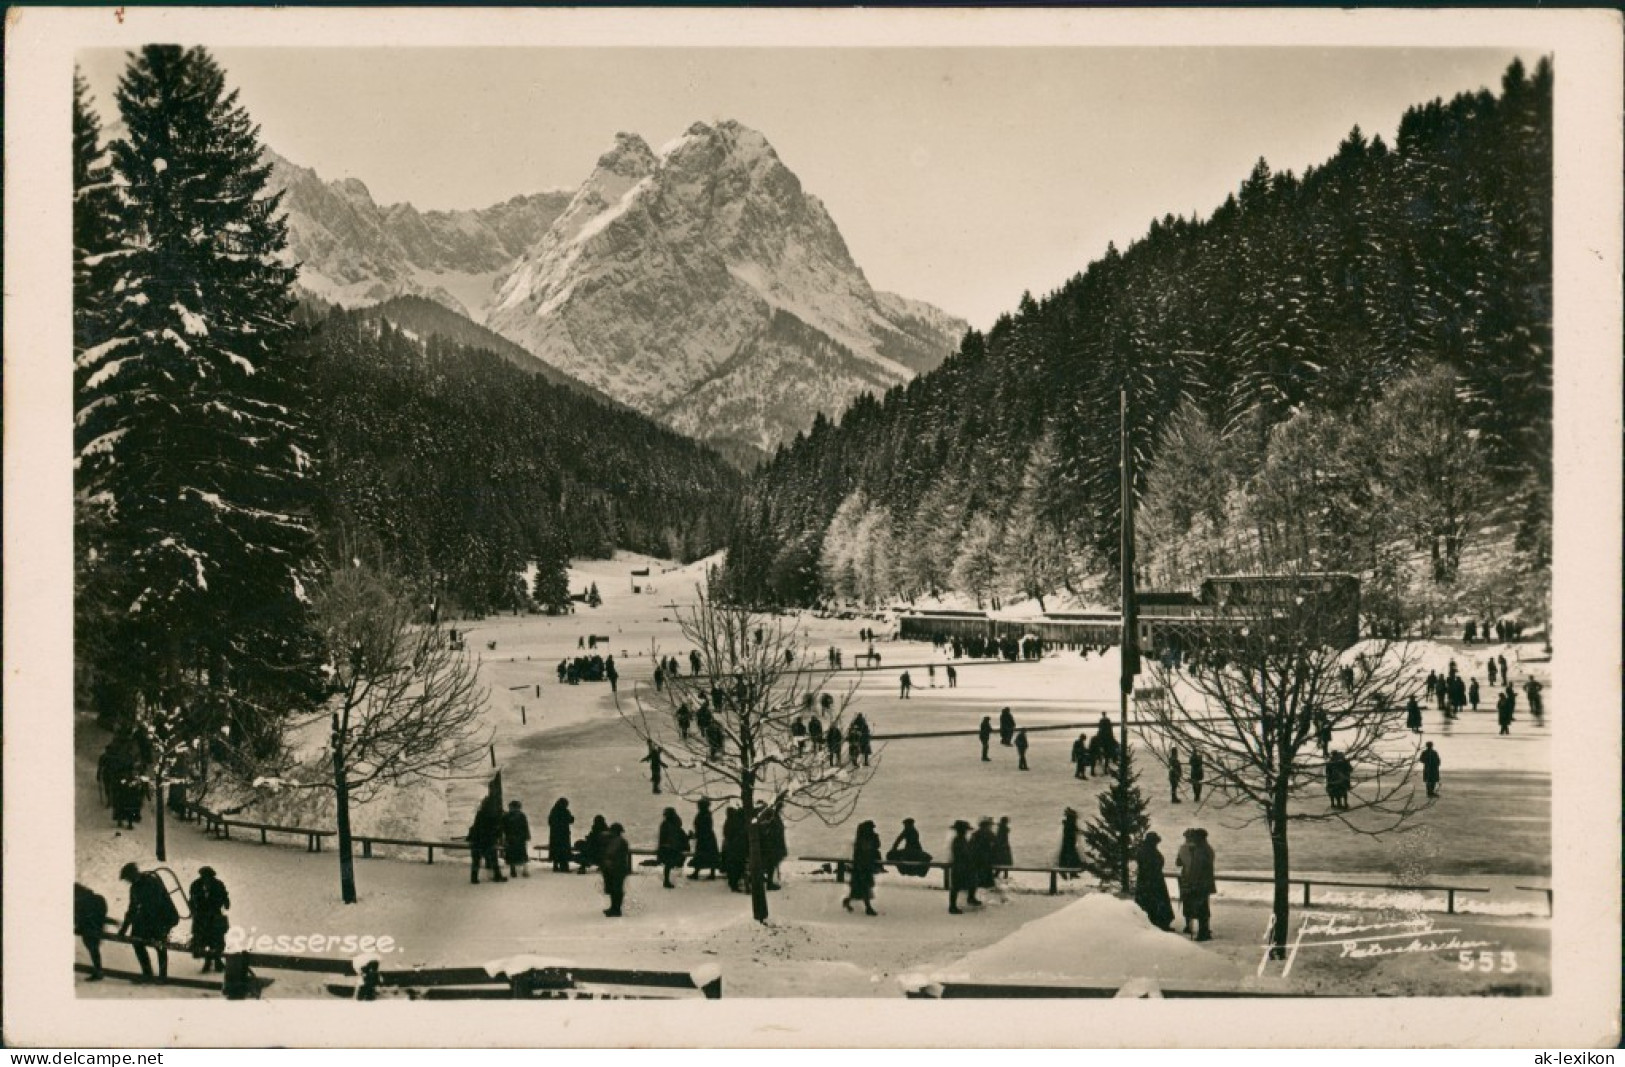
column 461, row 466
column 1417, row 273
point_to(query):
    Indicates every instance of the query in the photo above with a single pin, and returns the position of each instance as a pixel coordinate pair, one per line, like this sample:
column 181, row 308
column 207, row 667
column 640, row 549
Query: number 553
column 1486, row 961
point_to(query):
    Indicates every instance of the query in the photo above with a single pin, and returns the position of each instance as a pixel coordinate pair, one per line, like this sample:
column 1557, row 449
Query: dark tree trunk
column 158, row 812
column 1283, row 872
column 341, row 797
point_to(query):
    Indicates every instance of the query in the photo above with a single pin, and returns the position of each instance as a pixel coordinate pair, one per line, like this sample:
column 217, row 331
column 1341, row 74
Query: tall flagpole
column 1130, row 646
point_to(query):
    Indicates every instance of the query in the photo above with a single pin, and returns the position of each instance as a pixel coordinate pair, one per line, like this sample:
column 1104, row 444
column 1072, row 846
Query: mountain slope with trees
column 1420, row 270
column 463, row 469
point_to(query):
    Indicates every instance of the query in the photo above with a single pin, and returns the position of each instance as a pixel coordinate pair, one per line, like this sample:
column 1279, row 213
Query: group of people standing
column 858, row 738
column 1197, row 883
column 150, row 916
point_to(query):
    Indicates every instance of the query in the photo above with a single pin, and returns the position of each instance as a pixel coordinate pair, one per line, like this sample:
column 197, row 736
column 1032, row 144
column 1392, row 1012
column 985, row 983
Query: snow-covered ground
column 1492, row 828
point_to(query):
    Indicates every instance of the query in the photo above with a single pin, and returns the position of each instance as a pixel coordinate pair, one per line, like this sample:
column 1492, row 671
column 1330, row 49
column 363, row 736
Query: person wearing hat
column 148, row 918
column 961, row 870
column 1151, row 885
column 1196, row 882
column 615, row 863
column 865, row 865
column 909, row 856
column 209, row 901
column 983, row 847
column 516, row 841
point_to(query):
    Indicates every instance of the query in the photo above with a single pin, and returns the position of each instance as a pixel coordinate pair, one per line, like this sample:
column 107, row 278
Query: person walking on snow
column 707, row 854
column 657, row 764
column 1198, row 771
column 1176, row 774
column 672, row 845
column 558, row 835
column 1197, row 883
column 904, row 684
column 615, row 863
column 516, row 840
column 961, row 870
column 1430, row 769
column 208, row 901
column 1021, row 749
column 985, row 732
column 866, row 864
column 1007, row 727
column 484, row 833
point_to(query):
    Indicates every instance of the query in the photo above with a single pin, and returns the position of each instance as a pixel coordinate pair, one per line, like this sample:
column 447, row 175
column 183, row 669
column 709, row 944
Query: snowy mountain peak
column 707, row 287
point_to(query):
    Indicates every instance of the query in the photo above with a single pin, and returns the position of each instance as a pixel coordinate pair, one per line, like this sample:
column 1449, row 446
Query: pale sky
column 960, row 176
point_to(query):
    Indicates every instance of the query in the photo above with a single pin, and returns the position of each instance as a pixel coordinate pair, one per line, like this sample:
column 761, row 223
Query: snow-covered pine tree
column 1122, row 807
column 201, row 451
column 594, row 598
column 95, row 244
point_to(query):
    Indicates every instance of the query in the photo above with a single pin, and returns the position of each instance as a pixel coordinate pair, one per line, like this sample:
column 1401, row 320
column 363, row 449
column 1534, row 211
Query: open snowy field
column 1491, row 828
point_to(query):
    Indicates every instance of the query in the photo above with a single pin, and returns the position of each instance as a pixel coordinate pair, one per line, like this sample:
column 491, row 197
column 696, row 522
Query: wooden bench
column 445, row 846
column 843, row 862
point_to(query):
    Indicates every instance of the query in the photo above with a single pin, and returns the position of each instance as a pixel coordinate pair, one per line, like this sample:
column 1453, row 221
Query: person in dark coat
column 1196, row 882
column 1430, row 769
column 1503, row 712
column 1198, row 772
column 953, row 677
column 208, row 902
column 590, row 852
column 985, row 732
column 1007, row 727
column 672, row 846
column 1003, row 857
column 1021, row 750
column 656, row 764
column 1413, row 716
column 1069, row 855
column 1176, row 775
column 832, row 741
column 1490, row 666
column 484, row 834
column 683, row 719
column 775, row 849
column 1080, row 756
column 1150, row 885
column 1339, row 777
column 559, row 821
column 962, row 874
column 1533, row 690
column 90, row 924
column 904, row 684
column 815, row 732
column 735, row 849
column 1472, row 693
column 129, row 795
column 906, row 853
column 149, row 918
column 1505, row 677
column 707, row 854
column 516, row 840
column 865, row 865
column 1108, row 741
column 615, row 865
column 982, row 843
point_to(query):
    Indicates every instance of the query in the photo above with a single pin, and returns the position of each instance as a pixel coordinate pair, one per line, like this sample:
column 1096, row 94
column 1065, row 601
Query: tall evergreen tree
column 195, row 433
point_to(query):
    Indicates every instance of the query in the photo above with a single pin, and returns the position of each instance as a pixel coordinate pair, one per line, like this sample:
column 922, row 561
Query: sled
column 172, row 884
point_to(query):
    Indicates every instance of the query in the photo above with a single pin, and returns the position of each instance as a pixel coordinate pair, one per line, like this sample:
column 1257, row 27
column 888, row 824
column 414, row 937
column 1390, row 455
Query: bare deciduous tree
column 756, row 679
column 405, row 703
column 1262, row 684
